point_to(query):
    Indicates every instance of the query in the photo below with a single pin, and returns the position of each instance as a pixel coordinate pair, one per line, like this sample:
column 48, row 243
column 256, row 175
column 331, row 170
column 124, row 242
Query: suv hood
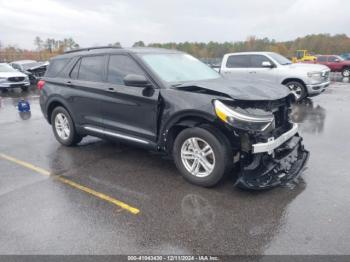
column 39, row 65
column 242, row 89
column 12, row 74
column 307, row 67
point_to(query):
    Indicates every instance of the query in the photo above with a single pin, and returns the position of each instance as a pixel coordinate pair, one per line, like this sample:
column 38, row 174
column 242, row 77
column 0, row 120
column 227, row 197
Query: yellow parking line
column 71, row 183
column 25, row 164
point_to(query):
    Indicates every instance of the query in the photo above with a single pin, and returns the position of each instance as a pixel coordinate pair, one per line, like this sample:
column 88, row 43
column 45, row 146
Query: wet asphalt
column 40, row 215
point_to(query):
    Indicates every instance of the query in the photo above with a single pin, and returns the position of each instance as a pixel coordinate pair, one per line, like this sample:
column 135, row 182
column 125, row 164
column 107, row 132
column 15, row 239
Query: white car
column 11, row 78
column 302, row 79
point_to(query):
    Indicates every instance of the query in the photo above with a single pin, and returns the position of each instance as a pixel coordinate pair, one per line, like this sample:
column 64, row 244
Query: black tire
column 73, row 138
column 24, row 88
column 297, row 87
column 220, row 147
column 346, row 72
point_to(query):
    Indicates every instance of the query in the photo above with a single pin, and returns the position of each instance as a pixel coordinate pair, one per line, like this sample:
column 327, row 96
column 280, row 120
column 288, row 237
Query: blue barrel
column 23, row 106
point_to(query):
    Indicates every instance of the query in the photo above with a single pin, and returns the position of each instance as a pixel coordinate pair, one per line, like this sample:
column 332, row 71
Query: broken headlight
column 242, row 119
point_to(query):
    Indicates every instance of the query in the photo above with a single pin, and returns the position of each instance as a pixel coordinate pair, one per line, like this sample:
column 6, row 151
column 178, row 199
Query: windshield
column 340, row 58
column 6, row 68
column 178, row 68
column 280, row 59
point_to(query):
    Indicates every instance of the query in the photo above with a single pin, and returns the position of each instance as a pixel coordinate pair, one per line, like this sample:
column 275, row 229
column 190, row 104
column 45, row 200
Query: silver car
column 302, row 79
column 11, row 78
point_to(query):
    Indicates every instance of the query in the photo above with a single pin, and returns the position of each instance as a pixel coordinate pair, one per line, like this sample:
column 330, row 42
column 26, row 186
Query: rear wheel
column 346, row 72
column 63, row 127
column 202, row 155
column 298, row 90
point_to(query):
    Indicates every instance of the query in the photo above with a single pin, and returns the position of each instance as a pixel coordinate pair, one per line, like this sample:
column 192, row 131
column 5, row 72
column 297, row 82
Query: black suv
column 168, row 101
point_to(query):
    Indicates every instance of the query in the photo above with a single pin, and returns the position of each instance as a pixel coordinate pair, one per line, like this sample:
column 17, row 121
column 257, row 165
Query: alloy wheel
column 346, row 73
column 198, row 157
column 296, row 90
column 62, row 126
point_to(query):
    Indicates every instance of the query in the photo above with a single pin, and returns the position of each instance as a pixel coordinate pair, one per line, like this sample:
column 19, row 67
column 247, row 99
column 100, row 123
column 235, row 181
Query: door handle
column 110, row 89
column 69, row 84
column 252, row 72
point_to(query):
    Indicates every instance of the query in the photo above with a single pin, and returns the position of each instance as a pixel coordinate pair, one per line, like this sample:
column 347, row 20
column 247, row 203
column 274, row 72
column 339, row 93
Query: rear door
column 85, row 89
column 236, row 67
column 129, row 111
column 322, row 60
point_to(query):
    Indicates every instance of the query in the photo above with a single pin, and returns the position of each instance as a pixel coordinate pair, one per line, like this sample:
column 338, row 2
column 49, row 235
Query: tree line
column 316, row 43
column 44, row 49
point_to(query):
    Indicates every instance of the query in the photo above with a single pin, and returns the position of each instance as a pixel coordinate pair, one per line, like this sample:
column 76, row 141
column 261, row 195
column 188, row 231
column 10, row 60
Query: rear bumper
column 265, row 170
column 316, row 89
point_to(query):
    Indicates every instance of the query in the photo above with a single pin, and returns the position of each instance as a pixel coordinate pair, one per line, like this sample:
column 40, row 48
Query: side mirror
column 136, row 80
column 267, row 64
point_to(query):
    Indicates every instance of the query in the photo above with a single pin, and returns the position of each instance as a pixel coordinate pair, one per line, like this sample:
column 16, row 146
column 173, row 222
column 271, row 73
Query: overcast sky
column 99, row 22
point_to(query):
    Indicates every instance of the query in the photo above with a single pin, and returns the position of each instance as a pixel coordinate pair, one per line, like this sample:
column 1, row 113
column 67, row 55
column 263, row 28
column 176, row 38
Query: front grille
column 16, row 79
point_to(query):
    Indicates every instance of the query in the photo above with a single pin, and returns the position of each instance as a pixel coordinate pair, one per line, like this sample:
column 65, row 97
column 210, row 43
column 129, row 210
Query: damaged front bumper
column 273, row 163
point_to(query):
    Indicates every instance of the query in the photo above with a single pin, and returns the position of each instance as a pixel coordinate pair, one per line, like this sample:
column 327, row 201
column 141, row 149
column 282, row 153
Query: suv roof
column 112, row 49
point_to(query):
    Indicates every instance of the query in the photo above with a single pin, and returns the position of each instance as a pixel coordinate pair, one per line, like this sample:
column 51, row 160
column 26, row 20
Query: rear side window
column 91, row 68
column 74, row 73
column 56, row 66
column 119, row 66
column 238, row 61
column 322, row 59
column 257, row 60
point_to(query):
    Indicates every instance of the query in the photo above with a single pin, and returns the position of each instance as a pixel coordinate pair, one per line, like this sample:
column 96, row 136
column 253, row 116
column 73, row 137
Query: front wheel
column 24, row 88
column 298, row 90
column 202, row 155
column 346, row 72
column 63, row 127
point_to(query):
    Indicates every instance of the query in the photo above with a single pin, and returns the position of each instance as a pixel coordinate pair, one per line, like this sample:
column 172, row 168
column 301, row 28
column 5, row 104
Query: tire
column 24, row 88
column 346, row 72
column 219, row 156
column 298, row 89
column 67, row 134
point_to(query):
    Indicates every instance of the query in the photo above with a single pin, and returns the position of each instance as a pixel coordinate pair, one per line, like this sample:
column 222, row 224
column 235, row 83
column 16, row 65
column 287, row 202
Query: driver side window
column 121, row 65
column 257, row 60
column 332, row 59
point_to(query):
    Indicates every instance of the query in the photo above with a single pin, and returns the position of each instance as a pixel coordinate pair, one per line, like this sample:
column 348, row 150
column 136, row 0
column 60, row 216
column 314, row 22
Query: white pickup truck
column 302, row 79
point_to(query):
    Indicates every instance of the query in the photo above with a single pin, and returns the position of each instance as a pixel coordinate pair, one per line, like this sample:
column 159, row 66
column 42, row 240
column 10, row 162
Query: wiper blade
column 182, row 84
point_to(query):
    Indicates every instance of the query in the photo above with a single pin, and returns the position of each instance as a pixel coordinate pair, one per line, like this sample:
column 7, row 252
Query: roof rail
column 90, row 48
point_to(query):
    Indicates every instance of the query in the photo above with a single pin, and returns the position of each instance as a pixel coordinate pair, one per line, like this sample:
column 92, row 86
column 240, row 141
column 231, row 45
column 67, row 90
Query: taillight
column 40, row 84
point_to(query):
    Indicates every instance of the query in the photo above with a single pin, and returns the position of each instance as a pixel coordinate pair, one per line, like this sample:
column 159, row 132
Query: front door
column 129, row 112
column 259, row 73
column 334, row 63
